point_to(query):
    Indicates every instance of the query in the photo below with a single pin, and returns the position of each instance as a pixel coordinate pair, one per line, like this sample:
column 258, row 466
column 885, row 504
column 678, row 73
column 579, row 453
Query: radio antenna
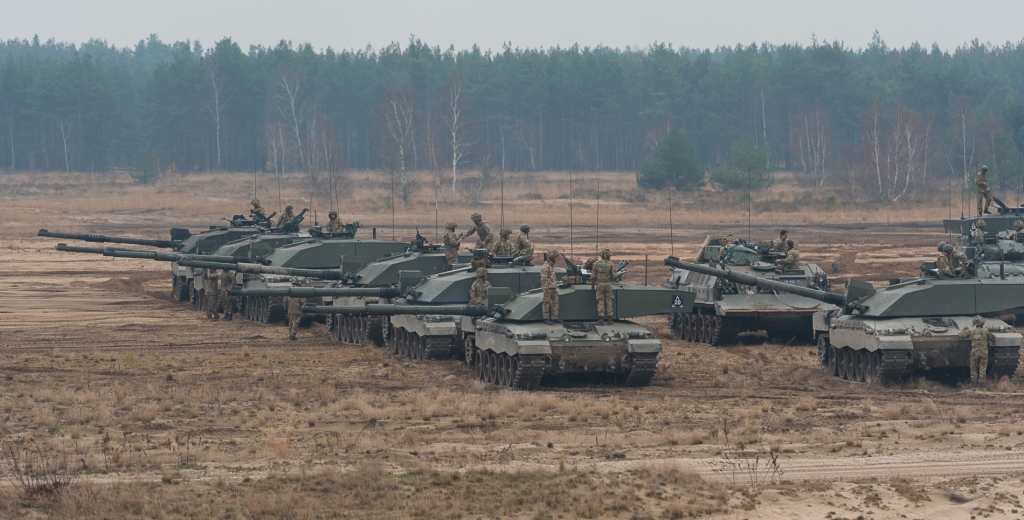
column 392, row 204
column 437, row 182
column 598, row 232
column 949, row 204
column 502, row 173
column 254, row 195
column 571, row 253
column 671, row 238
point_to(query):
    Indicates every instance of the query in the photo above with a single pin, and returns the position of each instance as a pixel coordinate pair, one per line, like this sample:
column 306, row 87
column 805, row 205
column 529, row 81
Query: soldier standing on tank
column 549, row 305
column 227, row 281
column 334, row 224
column 484, row 236
column 792, row 260
column 478, row 292
column 503, row 246
column 942, row 263
column 294, row 307
column 285, row 217
column 522, row 246
column 601, row 275
column 780, row 243
column 979, row 232
column 980, row 339
column 984, row 194
column 451, row 243
column 211, row 291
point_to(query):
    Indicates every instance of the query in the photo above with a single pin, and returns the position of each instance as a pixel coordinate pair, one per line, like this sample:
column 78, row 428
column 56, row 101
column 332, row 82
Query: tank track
column 726, row 331
column 439, row 347
column 275, row 310
column 860, row 366
column 531, row 369
column 1004, row 361
column 706, row 328
column 644, row 368
column 180, row 290
column 348, row 329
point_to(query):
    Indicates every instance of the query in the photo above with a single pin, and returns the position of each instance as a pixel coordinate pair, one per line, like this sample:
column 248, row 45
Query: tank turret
column 91, row 237
column 749, row 279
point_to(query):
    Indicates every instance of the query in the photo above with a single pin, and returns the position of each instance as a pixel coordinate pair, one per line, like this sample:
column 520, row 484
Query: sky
column 342, row 24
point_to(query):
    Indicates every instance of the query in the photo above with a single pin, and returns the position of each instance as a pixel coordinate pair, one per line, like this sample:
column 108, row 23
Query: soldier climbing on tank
column 478, row 292
column 601, row 276
column 484, row 237
column 227, row 280
column 522, row 246
column 503, row 246
column 294, row 307
column 792, row 260
column 779, row 245
column 980, row 339
column 334, row 224
column 451, row 243
column 211, row 291
column 942, row 263
column 978, row 235
column 285, row 217
column 984, row 194
column 548, row 283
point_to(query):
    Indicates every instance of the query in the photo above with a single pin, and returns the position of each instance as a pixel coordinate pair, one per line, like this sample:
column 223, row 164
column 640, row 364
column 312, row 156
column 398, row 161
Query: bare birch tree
column 216, row 103
column 289, row 105
column 455, row 122
column 65, row 134
column 812, row 135
column 897, row 151
column 397, row 114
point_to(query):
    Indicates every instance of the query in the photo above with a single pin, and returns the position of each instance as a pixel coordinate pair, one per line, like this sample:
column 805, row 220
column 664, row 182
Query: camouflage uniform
column 945, row 269
column 484, row 237
column 522, row 246
column 257, row 208
column 792, row 260
column 1017, row 227
column 981, row 182
column 334, row 225
column 980, row 339
column 979, row 231
column 285, row 217
column 211, row 292
column 227, row 280
column 779, row 245
column 957, row 260
column 503, row 246
column 451, row 244
column 478, row 292
column 601, row 276
column 294, row 306
column 549, row 306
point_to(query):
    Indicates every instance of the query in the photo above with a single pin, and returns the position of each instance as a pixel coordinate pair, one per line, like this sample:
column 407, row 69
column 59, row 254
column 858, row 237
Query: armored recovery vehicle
column 511, row 346
column 724, row 308
column 910, row 326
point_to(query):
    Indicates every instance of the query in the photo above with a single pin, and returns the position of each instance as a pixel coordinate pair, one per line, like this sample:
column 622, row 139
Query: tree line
column 883, row 119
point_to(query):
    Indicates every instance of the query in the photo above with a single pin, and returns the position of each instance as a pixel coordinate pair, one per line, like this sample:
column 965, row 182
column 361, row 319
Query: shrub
column 674, row 159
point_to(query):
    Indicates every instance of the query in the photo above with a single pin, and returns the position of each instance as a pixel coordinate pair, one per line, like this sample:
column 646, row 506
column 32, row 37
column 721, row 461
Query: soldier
column 478, row 292
column 1017, row 227
column 792, row 260
column 257, row 208
column 726, row 241
column 601, row 276
column 451, row 243
column 979, row 231
column 980, row 339
column 227, row 280
column 211, row 291
column 549, row 306
column 294, row 306
column 334, row 225
column 285, row 217
column 484, row 236
column 780, row 243
column 503, row 246
column 942, row 263
column 983, row 193
column 522, row 246
column 957, row 259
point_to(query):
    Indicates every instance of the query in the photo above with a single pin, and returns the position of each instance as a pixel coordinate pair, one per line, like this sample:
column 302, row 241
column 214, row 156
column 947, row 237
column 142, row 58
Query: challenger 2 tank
column 510, row 345
column 910, row 326
column 724, row 309
column 1001, row 220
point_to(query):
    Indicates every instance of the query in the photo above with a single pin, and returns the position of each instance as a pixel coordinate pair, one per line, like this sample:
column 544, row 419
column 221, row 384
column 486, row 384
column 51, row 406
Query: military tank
column 1002, row 220
column 723, row 308
column 910, row 326
column 510, row 345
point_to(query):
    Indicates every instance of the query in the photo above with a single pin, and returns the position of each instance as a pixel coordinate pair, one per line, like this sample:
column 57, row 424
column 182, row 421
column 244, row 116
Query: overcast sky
column 345, row 24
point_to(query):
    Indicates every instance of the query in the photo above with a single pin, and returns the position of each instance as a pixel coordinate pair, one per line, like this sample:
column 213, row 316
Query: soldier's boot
column 549, row 322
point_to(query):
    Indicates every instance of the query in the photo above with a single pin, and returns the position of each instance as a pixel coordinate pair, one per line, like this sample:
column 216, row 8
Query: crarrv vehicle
column 511, row 346
column 910, row 326
column 725, row 308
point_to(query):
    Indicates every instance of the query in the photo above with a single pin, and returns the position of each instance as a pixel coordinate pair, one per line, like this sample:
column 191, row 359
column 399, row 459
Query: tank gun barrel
column 79, row 249
column 161, row 256
column 309, row 292
column 764, row 283
column 323, row 274
column 380, row 309
column 90, row 237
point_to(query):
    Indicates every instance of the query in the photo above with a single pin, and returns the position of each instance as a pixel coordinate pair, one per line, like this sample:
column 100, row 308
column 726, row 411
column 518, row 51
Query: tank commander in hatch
column 779, row 245
column 285, row 217
column 334, row 225
column 942, row 263
column 792, row 260
column 478, row 292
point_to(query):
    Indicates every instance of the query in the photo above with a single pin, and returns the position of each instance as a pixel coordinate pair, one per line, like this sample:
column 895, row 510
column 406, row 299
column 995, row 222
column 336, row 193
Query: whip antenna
column 392, row 204
column 598, row 233
column 570, row 215
column 502, row 174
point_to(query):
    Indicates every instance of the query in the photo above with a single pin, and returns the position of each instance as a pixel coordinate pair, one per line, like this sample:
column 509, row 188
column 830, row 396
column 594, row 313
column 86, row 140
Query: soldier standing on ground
column 942, row 263
column 484, row 236
column 285, row 217
column 792, row 260
column 522, row 246
column 980, row 339
column 549, row 306
column 979, row 231
column 503, row 246
column 334, row 225
column 601, row 276
column 451, row 243
column 227, row 281
column 984, row 194
column 780, row 243
column 294, row 306
column 211, row 291
column 478, row 292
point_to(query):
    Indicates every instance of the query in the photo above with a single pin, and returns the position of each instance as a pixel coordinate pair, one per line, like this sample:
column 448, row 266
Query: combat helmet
column 255, row 202
column 450, row 225
column 480, row 272
column 475, row 217
column 978, row 321
column 942, row 246
column 947, row 248
column 333, row 212
column 980, row 223
column 984, row 168
column 1018, row 225
column 296, row 280
column 606, row 254
column 505, row 232
column 525, row 228
column 288, row 207
column 552, row 254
